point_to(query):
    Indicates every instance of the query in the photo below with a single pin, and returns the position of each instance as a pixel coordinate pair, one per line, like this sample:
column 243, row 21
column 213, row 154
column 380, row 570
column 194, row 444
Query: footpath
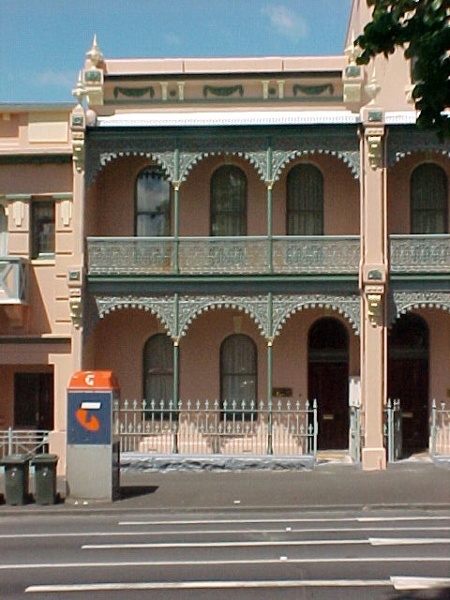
column 419, row 484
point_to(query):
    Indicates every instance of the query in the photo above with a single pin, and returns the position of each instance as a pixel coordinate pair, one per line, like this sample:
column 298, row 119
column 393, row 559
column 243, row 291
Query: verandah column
column 269, row 341
column 373, row 286
column 269, row 184
column 176, row 369
column 176, row 211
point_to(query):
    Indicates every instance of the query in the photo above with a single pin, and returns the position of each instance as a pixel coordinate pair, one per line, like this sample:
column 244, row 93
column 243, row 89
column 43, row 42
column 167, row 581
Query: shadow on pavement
column 133, row 491
column 429, row 594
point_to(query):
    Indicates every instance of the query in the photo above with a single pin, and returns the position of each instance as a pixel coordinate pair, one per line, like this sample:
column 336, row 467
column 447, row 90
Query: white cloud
column 172, row 39
column 287, row 22
column 65, row 79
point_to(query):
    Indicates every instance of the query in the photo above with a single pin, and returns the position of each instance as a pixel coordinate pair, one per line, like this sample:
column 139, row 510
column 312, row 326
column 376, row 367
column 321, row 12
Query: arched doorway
column 328, row 381
column 408, row 370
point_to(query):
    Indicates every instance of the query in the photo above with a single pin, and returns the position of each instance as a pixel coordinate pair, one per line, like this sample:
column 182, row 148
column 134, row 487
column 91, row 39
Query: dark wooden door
column 408, row 382
column 33, row 400
column 328, row 384
column 408, row 371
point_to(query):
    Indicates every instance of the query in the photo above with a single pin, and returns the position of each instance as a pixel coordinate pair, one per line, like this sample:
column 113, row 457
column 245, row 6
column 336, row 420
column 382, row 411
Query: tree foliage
column 422, row 28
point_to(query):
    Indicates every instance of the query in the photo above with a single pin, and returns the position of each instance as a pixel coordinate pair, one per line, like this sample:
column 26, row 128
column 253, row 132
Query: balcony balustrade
column 13, row 280
column 420, row 253
column 283, row 255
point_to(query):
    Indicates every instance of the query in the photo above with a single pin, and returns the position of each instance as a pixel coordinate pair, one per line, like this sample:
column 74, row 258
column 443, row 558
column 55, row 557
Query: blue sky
column 43, row 42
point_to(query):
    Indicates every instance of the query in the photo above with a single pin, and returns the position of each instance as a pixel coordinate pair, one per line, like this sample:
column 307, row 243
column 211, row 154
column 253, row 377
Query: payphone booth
column 93, row 452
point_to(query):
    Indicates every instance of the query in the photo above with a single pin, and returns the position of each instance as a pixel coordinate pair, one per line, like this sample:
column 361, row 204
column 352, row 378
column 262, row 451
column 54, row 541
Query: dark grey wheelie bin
column 45, row 478
column 16, row 478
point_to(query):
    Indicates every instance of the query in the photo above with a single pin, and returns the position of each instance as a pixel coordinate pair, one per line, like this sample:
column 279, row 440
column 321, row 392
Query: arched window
column 158, row 370
column 304, row 201
column 238, row 372
column 152, row 203
column 3, row 232
column 429, row 199
column 228, row 201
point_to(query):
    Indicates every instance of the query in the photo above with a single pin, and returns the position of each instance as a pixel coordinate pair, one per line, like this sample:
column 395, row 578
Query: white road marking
column 407, row 541
column 198, row 532
column 390, row 519
column 234, row 544
column 222, row 562
column 282, row 520
column 419, row 583
column 206, row 585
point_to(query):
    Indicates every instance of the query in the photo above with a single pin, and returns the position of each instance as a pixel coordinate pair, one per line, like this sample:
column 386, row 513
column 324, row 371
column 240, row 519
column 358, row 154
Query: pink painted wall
column 111, row 199
column 36, row 179
column 399, row 177
column 124, row 333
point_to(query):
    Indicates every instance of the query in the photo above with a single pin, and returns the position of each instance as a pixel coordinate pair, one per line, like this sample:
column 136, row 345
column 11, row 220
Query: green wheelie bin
column 16, row 478
column 45, row 478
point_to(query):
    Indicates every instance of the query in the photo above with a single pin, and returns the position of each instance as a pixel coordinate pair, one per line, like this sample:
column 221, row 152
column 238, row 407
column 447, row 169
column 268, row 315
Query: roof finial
column 94, row 55
column 79, row 91
column 373, row 87
column 352, row 51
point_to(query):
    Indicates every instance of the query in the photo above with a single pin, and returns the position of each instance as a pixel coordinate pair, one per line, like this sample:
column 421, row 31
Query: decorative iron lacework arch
column 347, row 306
column 349, row 158
column 159, row 306
column 159, row 158
column 403, row 302
column 403, row 142
column 269, row 315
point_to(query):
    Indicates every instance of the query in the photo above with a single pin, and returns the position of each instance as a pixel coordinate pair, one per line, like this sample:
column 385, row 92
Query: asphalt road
column 375, row 554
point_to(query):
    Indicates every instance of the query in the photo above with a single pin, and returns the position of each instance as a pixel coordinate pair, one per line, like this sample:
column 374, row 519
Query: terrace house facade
column 220, row 230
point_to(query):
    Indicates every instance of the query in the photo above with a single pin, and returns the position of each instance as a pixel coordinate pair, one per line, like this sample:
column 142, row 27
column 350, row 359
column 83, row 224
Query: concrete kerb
column 422, row 485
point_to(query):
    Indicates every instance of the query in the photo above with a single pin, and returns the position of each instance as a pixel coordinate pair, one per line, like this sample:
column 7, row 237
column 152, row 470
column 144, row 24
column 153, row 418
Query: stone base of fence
column 134, row 461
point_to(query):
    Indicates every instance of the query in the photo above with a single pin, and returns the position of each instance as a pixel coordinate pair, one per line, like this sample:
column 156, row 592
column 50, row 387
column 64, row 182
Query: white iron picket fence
column 283, row 428
column 440, row 429
column 23, row 441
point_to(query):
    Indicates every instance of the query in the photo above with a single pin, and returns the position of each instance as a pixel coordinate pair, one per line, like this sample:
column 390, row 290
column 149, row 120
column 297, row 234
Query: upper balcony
column 259, row 255
column 424, row 254
column 279, row 255
column 13, row 280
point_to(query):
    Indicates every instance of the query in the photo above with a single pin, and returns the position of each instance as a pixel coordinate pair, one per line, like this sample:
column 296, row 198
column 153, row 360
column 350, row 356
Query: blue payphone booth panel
column 89, row 419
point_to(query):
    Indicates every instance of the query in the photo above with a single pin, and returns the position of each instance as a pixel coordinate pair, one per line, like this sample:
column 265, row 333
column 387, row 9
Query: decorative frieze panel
column 178, row 155
column 270, row 313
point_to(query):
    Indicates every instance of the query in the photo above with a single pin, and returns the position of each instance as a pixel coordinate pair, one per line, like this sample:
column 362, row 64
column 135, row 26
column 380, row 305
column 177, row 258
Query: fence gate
column 355, row 434
column 440, row 429
column 354, row 402
column 393, row 430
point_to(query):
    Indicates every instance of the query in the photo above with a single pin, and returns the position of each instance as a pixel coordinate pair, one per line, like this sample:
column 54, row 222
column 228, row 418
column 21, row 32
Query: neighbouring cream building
column 243, row 228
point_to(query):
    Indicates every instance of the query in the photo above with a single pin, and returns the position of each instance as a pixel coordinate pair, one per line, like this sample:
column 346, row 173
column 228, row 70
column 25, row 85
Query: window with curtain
column 238, row 371
column 153, row 192
column 158, row 370
column 304, row 200
column 228, row 201
column 429, row 200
